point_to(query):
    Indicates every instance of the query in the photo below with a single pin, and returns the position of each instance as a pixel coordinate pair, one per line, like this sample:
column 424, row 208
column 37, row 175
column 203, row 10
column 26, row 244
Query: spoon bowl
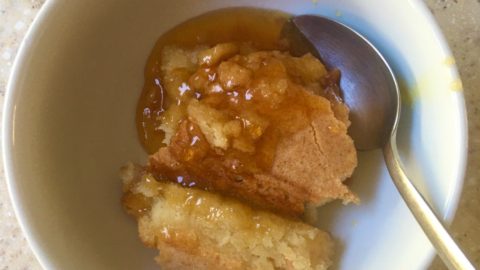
column 380, row 93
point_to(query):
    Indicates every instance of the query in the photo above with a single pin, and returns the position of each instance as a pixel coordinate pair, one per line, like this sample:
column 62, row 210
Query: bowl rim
column 8, row 122
column 453, row 198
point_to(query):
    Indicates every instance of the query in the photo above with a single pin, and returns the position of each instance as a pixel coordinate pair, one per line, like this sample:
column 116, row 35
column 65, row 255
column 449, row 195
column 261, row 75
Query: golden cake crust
column 309, row 167
column 196, row 229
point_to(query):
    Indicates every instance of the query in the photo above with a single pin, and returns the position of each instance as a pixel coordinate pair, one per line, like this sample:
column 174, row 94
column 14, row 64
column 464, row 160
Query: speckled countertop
column 460, row 22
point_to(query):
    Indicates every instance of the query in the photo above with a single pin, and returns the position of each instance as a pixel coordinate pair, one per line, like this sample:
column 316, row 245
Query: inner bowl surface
column 69, row 126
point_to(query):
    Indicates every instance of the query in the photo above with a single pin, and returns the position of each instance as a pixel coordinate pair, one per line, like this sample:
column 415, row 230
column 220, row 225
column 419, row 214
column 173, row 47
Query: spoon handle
column 446, row 247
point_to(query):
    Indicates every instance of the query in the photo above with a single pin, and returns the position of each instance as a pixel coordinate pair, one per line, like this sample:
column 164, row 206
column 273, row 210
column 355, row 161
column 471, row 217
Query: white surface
column 69, row 126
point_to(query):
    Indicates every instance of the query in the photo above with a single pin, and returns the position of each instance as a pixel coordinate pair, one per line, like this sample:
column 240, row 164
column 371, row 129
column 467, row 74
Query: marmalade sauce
column 262, row 27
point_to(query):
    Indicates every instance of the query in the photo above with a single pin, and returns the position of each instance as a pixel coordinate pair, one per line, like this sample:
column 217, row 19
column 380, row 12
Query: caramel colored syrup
column 261, row 27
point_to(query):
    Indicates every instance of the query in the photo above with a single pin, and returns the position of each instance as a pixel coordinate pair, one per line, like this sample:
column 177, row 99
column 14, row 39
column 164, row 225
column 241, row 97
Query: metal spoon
column 371, row 92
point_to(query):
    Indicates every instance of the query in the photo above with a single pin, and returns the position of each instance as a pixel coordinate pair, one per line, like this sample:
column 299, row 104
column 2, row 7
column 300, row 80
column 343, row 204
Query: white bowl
column 69, row 126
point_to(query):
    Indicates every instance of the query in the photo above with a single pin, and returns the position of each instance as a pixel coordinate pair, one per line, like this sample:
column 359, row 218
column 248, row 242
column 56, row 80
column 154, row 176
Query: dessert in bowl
column 70, row 123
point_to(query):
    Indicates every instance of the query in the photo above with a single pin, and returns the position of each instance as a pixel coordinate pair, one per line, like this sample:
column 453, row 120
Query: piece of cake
column 196, row 229
column 262, row 126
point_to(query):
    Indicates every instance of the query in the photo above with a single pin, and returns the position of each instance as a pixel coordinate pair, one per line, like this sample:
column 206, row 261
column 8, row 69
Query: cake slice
column 264, row 127
column 197, row 229
column 308, row 167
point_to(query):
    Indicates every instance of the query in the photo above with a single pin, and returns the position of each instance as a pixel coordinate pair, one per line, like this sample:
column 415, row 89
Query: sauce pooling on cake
column 223, row 108
column 261, row 28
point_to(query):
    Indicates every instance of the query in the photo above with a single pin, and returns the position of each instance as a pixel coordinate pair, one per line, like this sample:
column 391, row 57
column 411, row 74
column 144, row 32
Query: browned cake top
column 263, row 126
